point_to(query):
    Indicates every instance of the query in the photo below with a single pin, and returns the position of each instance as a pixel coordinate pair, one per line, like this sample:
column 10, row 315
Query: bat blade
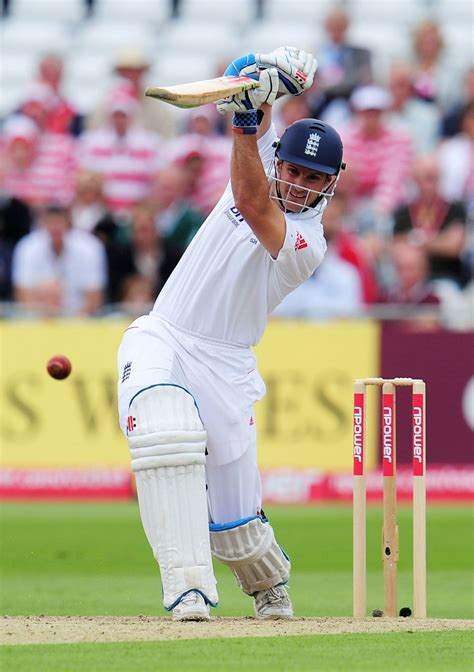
column 195, row 94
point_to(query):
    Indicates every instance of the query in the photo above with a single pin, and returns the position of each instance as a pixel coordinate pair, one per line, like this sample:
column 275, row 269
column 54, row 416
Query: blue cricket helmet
column 313, row 144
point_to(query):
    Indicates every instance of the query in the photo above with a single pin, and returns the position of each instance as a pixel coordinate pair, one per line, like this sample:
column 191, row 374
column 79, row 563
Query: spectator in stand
column 176, row 220
column 89, row 210
column 19, row 142
column 417, row 117
column 452, row 121
column 59, row 270
column 15, row 222
column 136, row 297
column 37, row 166
column 456, row 160
column 333, row 291
column 412, row 297
column 342, row 67
column 436, row 79
column 204, row 121
column 379, row 159
column 338, row 229
column 437, row 226
column 290, row 109
column 136, row 292
column 343, row 283
column 131, row 67
column 125, row 154
column 143, row 254
column 205, row 156
column 62, row 115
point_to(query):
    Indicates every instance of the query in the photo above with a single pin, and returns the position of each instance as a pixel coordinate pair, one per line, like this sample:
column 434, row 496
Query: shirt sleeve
column 302, row 252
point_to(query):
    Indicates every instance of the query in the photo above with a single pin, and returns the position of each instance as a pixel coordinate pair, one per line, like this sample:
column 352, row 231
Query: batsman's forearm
column 248, row 178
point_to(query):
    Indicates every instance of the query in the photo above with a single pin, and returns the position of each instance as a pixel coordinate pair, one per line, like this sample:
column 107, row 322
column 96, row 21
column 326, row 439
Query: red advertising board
column 444, row 360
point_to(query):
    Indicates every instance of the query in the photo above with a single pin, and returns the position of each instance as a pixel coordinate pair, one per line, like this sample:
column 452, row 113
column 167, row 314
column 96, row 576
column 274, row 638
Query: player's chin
column 295, row 206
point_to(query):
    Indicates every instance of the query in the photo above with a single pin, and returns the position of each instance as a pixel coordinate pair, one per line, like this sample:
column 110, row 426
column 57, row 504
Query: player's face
column 299, row 187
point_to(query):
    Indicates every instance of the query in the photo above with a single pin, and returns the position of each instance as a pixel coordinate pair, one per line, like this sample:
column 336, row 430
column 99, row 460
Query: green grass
column 435, row 652
column 93, row 559
column 87, row 559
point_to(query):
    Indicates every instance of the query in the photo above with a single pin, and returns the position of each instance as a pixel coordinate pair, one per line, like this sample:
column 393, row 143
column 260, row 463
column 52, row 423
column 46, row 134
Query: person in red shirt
column 125, row 154
column 435, row 223
column 412, row 302
column 338, row 231
column 36, row 167
column 62, row 114
column 379, row 158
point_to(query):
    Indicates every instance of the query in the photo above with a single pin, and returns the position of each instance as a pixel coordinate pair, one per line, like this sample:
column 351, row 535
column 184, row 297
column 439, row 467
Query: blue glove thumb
column 244, row 65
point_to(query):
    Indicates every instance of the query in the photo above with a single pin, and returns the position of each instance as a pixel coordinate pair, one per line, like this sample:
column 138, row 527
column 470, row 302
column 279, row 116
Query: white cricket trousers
column 225, row 384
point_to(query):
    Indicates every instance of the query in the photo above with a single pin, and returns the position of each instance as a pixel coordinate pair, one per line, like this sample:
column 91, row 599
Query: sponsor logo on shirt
column 127, row 370
column 234, row 215
column 300, row 242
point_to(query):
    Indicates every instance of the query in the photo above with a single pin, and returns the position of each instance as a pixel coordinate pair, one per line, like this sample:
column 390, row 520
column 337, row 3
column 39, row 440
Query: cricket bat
column 195, row 94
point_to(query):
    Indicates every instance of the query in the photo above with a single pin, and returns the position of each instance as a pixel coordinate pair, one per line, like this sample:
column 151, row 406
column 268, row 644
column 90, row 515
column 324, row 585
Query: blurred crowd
column 97, row 209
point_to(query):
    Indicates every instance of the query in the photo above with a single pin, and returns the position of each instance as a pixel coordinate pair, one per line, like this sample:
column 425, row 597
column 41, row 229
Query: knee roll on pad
column 164, row 429
column 249, row 548
column 167, row 444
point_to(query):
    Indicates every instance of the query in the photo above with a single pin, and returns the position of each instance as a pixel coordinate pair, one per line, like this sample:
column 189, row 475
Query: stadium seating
column 207, row 33
column 296, row 11
column 457, row 11
column 390, row 12
column 107, row 37
column 33, row 37
column 194, row 38
column 168, row 69
column 65, row 11
column 150, row 13
column 264, row 36
column 235, row 13
column 380, row 38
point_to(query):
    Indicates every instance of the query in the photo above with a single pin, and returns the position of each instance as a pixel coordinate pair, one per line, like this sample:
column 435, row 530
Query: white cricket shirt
column 226, row 283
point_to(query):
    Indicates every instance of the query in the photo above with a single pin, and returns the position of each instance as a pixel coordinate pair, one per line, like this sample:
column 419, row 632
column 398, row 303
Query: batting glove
column 253, row 98
column 296, row 68
column 245, row 66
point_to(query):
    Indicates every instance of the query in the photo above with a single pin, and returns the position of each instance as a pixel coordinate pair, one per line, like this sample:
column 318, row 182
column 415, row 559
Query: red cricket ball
column 59, row 367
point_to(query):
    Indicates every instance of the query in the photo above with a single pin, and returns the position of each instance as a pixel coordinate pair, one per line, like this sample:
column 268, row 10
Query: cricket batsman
column 188, row 379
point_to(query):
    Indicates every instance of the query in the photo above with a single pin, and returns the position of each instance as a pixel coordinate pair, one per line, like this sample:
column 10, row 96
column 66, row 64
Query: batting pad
column 167, row 443
column 249, row 547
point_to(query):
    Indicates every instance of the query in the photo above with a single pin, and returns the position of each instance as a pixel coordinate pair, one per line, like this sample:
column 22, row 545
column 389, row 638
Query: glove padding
column 296, row 68
column 253, row 98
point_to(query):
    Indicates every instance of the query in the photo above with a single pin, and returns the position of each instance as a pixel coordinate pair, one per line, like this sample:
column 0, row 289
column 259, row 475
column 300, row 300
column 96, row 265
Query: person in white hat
column 132, row 67
column 124, row 153
column 379, row 156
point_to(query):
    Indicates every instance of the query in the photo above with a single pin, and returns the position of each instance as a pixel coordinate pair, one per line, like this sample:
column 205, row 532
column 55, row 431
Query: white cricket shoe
column 192, row 607
column 273, row 603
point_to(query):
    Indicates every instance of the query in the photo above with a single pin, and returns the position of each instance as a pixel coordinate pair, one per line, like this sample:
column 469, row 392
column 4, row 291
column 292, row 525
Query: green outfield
column 93, row 560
